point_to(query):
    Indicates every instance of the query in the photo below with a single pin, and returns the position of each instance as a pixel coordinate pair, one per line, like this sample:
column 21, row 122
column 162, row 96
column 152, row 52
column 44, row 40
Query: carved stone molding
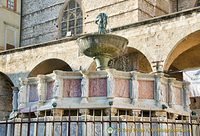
column 113, row 111
column 84, row 111
column 135, row 113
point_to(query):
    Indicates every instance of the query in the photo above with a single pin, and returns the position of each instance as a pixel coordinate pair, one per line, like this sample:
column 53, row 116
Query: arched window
column 11, row 4
column 72, row 19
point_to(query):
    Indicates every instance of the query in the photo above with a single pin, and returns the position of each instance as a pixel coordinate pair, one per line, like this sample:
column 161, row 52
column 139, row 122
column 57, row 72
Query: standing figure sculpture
column 101, row 21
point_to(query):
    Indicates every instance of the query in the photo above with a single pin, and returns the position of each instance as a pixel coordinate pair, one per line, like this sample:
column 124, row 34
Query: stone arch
column 184, row 55
column 62, row 13
column 5, row 95
column 47, row 67
column 196, row 3
column 132, row 56
column 185, row 44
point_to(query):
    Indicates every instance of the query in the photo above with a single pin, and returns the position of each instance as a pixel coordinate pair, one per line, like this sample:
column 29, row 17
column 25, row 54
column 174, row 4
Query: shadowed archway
column 6, row 94
column 131, row 60
column 185, row 55
column 48, row 66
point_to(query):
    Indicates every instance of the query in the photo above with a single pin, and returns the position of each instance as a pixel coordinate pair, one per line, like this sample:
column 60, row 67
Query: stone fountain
column 102, row 47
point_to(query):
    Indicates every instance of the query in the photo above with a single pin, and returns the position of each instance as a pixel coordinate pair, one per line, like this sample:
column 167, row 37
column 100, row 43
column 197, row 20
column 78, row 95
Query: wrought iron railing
column 96, row 123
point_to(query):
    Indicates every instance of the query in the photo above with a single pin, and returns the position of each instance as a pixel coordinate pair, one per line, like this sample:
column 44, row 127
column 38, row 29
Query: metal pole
column 191, row 125
column 77, row 124
column 45, row 123
column 101, row 122
column 94, row 122
column 150, row 123
column 61, row 121
column 69, row 124
column 6, row 125
column 29, row 122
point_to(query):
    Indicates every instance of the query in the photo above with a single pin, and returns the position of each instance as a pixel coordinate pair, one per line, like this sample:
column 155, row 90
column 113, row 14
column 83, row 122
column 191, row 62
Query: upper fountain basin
column 102, row 44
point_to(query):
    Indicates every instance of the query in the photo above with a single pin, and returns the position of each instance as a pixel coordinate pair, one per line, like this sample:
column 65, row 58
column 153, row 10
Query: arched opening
column 197, row 3
column 185, row 55
column 5, row 96
column 131, row 60
column 48, row 66
column 70, row 22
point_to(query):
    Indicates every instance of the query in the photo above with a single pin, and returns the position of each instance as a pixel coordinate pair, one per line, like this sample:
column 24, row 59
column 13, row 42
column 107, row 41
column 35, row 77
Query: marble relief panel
column 164, row 89
column 33, row 93
column 50, row 86
column 98, row 87
column 146, row 89
column 122, row 88
column 178, row 96
column 71, row 88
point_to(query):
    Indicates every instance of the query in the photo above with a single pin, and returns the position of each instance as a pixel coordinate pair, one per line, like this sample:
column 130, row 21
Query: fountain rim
column 97, row 34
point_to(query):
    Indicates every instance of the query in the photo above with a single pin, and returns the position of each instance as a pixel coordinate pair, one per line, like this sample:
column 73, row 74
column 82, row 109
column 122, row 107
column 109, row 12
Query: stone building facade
column 9, row 24
column 41, row 19
column 9, row 39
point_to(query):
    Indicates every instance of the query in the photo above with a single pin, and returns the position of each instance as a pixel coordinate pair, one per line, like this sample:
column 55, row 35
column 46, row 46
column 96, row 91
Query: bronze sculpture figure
column 101, row 21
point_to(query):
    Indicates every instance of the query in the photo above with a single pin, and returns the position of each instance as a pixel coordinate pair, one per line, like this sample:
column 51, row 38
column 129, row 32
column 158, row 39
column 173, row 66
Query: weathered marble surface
column 122, row 88
column 50, row 86
column 71, row 88
column 98, row 87
column 164, row 92
column 178, row 96
column 33, row 94
column 146, row 89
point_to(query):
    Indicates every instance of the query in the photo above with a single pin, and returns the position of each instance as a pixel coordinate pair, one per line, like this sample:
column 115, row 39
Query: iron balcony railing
column 71, row 123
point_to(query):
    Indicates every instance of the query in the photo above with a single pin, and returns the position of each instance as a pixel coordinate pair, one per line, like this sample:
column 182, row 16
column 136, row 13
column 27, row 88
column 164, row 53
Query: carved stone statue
column 84, row 85
column 101, row 21
column 56, row 88
column 22, row 93
column 110, row 83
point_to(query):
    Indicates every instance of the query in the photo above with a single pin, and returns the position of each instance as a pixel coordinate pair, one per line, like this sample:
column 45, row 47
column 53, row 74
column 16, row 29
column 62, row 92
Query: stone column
column 110, row 84
column 22, row 95
column 161, row 115
column 41, row 89
column 186, row 96
column 84, row 87
column 135, row 113
column 134, row 89
column 85, row 116
column 158, row 94
column 15, row 98
column 171, row 93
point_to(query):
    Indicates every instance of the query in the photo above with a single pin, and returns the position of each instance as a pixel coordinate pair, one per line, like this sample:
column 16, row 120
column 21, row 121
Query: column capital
column 112, row 110
column 15, row 89
column 84, row 73
column 23, row 81
column 159, row 75
column 84, row 111
column 136, row 112
column 41, row 77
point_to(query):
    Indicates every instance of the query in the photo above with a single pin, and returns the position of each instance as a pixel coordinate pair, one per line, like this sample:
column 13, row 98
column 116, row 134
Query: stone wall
column 186, row 4
column 40, row 18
